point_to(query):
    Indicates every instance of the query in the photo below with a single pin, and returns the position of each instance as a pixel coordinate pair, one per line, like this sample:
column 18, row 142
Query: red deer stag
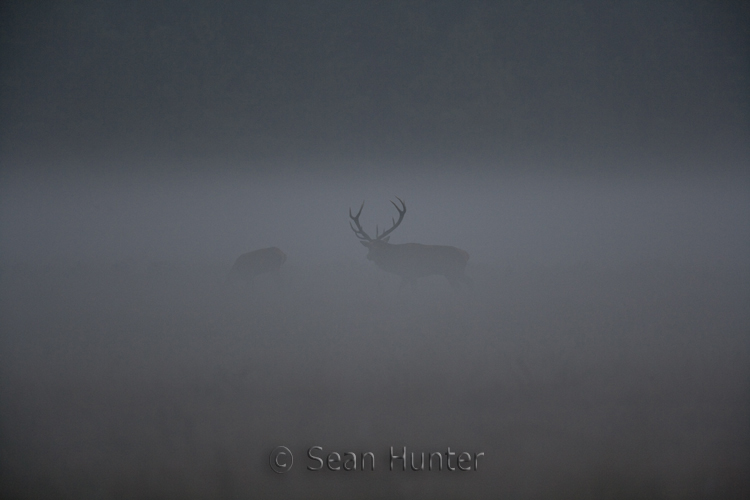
column 411, row 260
column 251, row 264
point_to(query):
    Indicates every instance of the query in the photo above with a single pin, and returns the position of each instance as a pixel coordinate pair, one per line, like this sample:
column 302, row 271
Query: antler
column 401, row 212
column 362, row 235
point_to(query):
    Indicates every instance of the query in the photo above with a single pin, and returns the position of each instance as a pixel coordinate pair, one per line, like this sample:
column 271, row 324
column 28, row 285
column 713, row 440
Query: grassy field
column 576, row 382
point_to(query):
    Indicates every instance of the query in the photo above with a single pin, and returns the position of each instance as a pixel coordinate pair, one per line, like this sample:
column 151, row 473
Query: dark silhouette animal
column 251, row 264
column 411, row 260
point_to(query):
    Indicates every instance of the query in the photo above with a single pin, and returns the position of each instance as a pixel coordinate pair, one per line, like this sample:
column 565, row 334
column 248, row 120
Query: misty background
column 585, row 85
column 591, row 158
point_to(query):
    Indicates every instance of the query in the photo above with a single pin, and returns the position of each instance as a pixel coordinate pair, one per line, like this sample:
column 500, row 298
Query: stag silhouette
column 411, row 260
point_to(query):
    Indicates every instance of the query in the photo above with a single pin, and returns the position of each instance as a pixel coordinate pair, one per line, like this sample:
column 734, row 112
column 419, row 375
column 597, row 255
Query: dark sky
column 583, row 86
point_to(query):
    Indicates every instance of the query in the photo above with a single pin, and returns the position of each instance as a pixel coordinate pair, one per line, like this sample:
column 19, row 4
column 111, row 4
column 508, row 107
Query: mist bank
column 504, row 221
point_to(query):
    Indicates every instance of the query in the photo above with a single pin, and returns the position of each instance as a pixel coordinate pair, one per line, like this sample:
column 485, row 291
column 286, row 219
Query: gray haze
column 572, row 86
column 602, row 349
column 591, row 158
column 502, row 221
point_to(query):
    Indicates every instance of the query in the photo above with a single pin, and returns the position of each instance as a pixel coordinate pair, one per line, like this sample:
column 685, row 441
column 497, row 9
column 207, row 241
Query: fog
column 591, row 159
column 503, row 221
column 602, row 349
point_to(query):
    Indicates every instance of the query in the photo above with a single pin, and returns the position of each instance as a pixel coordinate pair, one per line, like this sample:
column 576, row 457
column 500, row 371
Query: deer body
column 414, row 260
column 251, row 264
